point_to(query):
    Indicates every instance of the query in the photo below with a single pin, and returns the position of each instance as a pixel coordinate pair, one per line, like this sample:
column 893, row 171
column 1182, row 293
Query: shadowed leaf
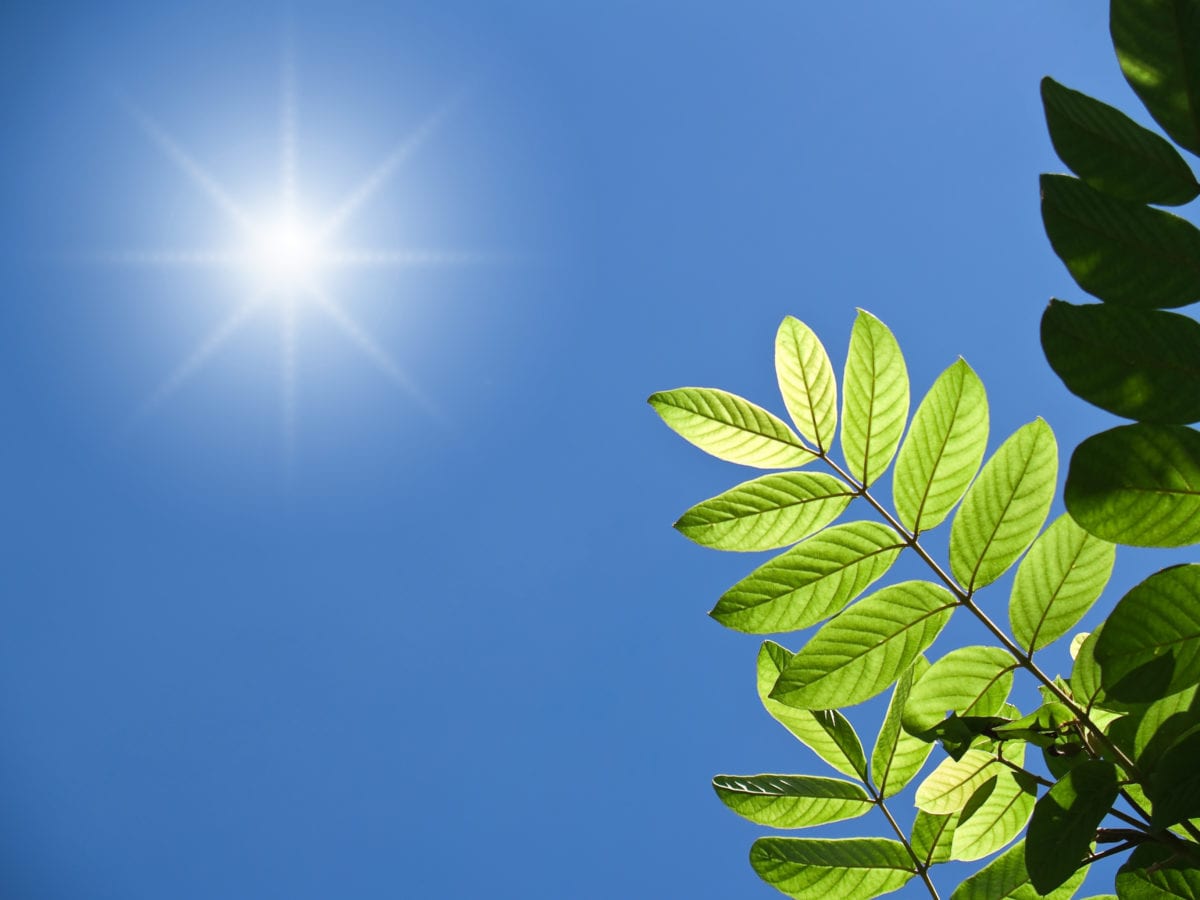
column 968, row 681
column 1005, row 878
column 1065, row 820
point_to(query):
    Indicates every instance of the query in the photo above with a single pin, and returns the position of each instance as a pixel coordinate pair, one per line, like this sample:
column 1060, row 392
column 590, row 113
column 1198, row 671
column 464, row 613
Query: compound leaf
column 874, row 398
column 807, row 382
column 866, row 648
column 943, row 450
column 1138, row 484
column 767, row 512
column 814, row 869
column 1005, row 507
column 811, row 581
column 1059, row 579
column 731, row 428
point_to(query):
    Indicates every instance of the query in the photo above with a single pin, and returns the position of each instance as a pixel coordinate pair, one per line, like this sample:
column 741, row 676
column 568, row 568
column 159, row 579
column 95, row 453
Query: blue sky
column 402, row 614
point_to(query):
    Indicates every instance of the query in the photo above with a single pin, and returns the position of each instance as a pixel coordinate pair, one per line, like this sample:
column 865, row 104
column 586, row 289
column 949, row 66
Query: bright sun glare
column 290, row 259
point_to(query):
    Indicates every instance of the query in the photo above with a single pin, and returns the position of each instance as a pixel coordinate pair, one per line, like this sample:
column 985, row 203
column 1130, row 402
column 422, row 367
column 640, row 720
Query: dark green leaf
column 824, row 731
column 943, row 450
column 1119, row 251
column 767, row 512
column 1150, row 645
column 1065, row 820
column 731, row 428
column 1174, row 787
column 968, row 681
column 874, row 398
column 1059, row 579
column 806, row 382
column 1005, row 507
column 810, row 582
column 866, row 648
column 1158, row 44
column 1151, row 730
column 791, row 801
column 851, row 869
column 1113, row 153
column 1138, row 484
column 1153, row 872
column 1142, row 364
column 898, row 756
column 1005, row 878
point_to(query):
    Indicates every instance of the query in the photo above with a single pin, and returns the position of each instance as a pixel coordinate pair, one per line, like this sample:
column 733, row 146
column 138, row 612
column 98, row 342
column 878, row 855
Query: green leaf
column 1142, row 364
column 943, row 450
column 806, row 382
column 1005, row 507
column 995, row 815
column 1153, row 872
column 898, row 756
column 808, row 869
column 866, row 648
column 1113, row 153
column 969, row 681
column 1150, row 645
column 948, row 787
column 874, row 399
column 1059, row 579
column 932, row 837
column 767, row 512
column 1119, row 251
column 1065, row 820
column 1149, row 732
column 731, row 428
column 791, row 801
column 824, row 731
column 1158, row 45
column 1138, row 485
column 1005, row 878
column 810, row 582
column 1174, row 786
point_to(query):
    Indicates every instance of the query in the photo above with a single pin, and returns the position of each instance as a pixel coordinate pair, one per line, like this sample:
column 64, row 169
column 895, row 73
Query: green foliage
column 1106, row 764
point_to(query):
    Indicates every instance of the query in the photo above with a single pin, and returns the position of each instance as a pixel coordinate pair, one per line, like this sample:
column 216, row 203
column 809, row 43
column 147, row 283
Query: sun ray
column 199, row 356
column 288, row 373
column 216, row 259
column 384, row 171
column 188, row 165
column 376, row 354
column 287, row 128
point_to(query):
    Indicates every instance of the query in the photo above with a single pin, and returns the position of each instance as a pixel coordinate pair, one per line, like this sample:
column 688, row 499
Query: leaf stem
column 922, row 869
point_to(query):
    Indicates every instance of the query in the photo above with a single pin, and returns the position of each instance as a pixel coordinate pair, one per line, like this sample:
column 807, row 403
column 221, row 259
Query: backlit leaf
column 948, row 787
column 968, row 681
column 1138, row 485
column 1059, row 579
column 932, row 837
column 898, row 756
column 767, row 512
column 1119, row 251
column 1150, row 645
column 995, row 816
column 731, row 428
column 1064, row 822
column 811, row 581
column 866, row 648
column 1005, row 878
column 824, row 731
column 791, row 801
column 874, row 399
column 806, row 382
column 943, row 450
column 1005, row 507
column 1142, row 364
column 1158, row 45
column 850, row 869
column 1154, row 872
column 1113, row 153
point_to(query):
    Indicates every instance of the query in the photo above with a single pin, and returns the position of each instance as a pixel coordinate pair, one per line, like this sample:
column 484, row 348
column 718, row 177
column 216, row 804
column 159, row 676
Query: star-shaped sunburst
column 288, row 257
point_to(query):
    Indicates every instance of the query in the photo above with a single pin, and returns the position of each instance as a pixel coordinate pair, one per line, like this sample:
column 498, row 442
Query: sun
column 290, row 258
